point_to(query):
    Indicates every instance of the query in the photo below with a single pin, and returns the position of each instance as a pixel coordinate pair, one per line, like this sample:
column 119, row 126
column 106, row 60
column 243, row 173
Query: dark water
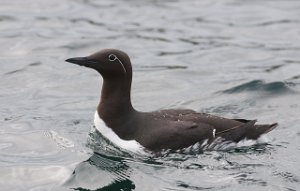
column 231, row 58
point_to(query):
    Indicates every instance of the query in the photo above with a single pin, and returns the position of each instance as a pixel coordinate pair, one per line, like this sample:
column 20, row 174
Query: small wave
column 59, row 139
column 6, row 18
column 89, row 21
column 23, row 69
column 161, row 67
column 101, row 171
column 259, row 85
column 276, row 22
column 164, row 53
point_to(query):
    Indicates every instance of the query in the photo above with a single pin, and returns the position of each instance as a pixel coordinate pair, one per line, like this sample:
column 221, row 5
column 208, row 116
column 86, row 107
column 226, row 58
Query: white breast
column 107, row 132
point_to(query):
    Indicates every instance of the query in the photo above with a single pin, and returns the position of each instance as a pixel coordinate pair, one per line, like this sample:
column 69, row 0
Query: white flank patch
column 214, row 133
column 107, row 132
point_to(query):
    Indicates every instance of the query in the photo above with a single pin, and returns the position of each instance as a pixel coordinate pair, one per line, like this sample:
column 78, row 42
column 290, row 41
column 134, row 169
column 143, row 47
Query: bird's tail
column 257, row 130
column 248, row 130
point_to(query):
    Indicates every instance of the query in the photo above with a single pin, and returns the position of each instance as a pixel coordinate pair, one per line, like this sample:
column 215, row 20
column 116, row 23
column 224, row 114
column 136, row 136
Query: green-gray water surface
column 230, row 58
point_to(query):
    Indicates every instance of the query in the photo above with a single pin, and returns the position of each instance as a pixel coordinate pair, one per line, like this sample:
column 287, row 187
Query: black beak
column 81, row 61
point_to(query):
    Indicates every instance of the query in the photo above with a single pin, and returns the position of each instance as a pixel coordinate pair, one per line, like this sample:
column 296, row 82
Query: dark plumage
column 164, row 129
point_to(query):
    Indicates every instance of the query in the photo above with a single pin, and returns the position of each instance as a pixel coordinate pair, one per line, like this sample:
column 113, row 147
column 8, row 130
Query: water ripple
column 7, row 18
column 23, row 69
column 161, row 67
column 259, row 85
column 85, row 20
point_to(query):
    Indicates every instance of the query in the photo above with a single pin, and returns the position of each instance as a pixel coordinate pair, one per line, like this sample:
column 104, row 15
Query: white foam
column 107, row 132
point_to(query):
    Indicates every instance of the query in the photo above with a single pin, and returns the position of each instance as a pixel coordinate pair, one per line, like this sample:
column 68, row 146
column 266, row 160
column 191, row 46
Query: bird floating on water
column 168, row 129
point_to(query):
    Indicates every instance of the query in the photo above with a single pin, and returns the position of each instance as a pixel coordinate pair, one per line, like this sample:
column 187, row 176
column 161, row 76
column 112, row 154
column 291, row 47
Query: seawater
column 236, row 59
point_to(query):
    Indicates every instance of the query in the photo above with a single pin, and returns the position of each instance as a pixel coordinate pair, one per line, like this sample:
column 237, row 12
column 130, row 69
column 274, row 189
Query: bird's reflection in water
column 106, row 169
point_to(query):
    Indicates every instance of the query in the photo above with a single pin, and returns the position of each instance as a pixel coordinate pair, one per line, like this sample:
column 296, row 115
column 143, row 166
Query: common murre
column 159, row 130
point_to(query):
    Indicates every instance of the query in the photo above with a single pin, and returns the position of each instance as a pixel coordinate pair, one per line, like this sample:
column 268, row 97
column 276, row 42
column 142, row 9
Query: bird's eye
column 112, row 57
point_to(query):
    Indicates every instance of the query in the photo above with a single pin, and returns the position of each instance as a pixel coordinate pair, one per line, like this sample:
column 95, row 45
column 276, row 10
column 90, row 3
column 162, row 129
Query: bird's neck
column 115, row 103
